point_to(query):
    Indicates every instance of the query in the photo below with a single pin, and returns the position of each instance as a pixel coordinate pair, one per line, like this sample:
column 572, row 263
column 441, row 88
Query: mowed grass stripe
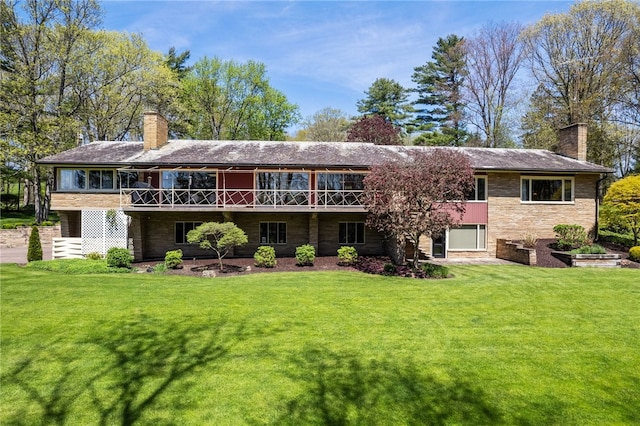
column 495, row 344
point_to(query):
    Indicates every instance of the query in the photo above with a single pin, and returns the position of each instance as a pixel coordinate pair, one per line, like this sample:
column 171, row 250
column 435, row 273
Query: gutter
column 597, row 205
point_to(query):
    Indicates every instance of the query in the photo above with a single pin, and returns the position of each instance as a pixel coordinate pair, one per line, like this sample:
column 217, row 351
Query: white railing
column 66, row 248
column 226, row 198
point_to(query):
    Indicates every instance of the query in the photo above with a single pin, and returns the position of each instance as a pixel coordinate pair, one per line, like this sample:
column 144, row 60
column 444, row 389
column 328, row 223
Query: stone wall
column 515, row 252
column 84, row 200
column 511, row 219
column 20, row 237
column 153, row 233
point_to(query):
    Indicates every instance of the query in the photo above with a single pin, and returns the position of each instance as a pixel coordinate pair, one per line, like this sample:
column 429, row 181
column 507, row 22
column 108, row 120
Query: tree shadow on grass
column 346, row 390
column 138, row 361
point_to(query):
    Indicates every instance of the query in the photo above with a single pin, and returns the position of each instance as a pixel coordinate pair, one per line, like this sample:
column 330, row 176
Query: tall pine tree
column 440, row 106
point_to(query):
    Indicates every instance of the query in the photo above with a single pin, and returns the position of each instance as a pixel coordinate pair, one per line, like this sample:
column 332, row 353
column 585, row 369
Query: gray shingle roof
column 300, row 154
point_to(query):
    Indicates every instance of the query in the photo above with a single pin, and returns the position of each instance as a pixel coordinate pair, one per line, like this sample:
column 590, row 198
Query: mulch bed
column 545, row 259
column 235, row 266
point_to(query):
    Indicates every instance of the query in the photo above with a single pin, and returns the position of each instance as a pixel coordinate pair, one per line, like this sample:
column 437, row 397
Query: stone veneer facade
column 511, row 219
column 152, row 232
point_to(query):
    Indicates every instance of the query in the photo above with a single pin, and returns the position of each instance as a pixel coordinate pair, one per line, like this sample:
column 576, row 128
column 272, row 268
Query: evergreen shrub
column 305, row 255
column 34, row 252
column 570, row 236
column 347, row 255
column 173, row 259
column 119, row 258
column 265, row 257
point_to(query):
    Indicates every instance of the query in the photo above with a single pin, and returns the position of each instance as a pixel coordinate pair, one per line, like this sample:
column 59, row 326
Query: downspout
column 597, row 202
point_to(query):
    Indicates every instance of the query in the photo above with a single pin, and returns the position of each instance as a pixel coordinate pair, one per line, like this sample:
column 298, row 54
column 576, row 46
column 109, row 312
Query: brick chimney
column 572, row 141
column 156, row 130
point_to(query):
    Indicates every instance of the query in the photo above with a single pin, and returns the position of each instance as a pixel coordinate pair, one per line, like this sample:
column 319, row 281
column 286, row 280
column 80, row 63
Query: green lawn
column 494, row 345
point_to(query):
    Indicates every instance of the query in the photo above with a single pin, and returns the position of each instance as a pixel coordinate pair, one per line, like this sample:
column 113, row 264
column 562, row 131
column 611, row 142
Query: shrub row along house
column 148, row 195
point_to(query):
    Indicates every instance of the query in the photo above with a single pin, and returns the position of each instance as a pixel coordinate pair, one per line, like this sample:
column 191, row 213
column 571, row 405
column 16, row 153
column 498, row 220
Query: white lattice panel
column 103, row 229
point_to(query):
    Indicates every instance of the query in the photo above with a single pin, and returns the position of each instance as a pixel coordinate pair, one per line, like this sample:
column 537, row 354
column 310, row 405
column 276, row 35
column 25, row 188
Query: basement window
column 351, row 232
column 468, row 237
column 273, row 232
column 182, row 229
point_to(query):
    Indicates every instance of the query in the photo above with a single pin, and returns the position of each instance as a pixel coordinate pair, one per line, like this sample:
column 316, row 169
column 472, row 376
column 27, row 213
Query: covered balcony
column 182, row 189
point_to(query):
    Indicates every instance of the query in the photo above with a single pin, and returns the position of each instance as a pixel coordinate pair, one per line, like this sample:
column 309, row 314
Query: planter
column 589, row 260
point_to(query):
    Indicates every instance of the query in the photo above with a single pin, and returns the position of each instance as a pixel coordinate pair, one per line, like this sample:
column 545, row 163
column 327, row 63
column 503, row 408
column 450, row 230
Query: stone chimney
column 156, row 130
column 572, row 141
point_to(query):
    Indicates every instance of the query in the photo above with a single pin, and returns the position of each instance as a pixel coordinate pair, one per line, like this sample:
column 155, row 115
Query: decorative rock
column 209, row 273
column 248, row 269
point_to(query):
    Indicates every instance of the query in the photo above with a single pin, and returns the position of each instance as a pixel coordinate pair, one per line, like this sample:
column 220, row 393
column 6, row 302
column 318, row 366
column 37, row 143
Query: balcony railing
column 230, row 198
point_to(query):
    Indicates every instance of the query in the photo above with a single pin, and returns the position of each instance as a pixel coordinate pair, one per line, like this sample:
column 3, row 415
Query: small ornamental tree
column 374, row 129
column 621, row 205
column 418, row 196
column 220, row 237
column 34, row 251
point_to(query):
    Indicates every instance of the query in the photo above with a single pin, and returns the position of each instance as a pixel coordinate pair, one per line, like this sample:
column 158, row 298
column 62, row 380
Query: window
column 351, row 232
column 283, row 188
column 479, row 192
column 543, row 189
column 86, row 180
column 182, row 229
column 273, row 233
column 100, row 179
column 127, row 179
column 340, row 188
column 468, row 237
column 188, row 180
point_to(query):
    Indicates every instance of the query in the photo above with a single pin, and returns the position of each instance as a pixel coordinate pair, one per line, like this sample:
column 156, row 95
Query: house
column 148, row 195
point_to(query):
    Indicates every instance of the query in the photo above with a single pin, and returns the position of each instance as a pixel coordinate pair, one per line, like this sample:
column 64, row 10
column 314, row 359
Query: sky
column 318, row 53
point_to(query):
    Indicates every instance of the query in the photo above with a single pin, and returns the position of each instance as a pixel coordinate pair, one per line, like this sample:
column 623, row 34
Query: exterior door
column 438, row 246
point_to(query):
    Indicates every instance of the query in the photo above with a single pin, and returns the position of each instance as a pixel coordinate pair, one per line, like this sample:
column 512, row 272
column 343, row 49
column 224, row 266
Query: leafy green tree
column 274, row 115
column 586, row 61
column 232, row 100
column 388, row 99
column 440, row 104
column 541, row 121
column 38, row 46
column 220, row 237
column 118, row 78
column 621, row 205
column 326, row 125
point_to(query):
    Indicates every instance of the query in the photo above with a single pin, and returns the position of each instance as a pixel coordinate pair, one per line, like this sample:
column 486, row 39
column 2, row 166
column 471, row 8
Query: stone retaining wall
column 19, row 237
column 589, row 260
column 515, row 252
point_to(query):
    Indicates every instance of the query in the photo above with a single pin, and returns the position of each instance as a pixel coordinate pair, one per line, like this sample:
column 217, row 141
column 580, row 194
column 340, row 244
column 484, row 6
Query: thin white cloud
column 319, row 53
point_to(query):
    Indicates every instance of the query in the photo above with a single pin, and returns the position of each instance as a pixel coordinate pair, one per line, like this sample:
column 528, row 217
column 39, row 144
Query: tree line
column 583, row 66
column 64, row 81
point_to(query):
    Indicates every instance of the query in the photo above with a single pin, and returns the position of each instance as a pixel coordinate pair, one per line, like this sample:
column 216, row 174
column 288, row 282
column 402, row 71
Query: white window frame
column 478, row 239
column 87, row 171
column 562, row 179
column 475, row 189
